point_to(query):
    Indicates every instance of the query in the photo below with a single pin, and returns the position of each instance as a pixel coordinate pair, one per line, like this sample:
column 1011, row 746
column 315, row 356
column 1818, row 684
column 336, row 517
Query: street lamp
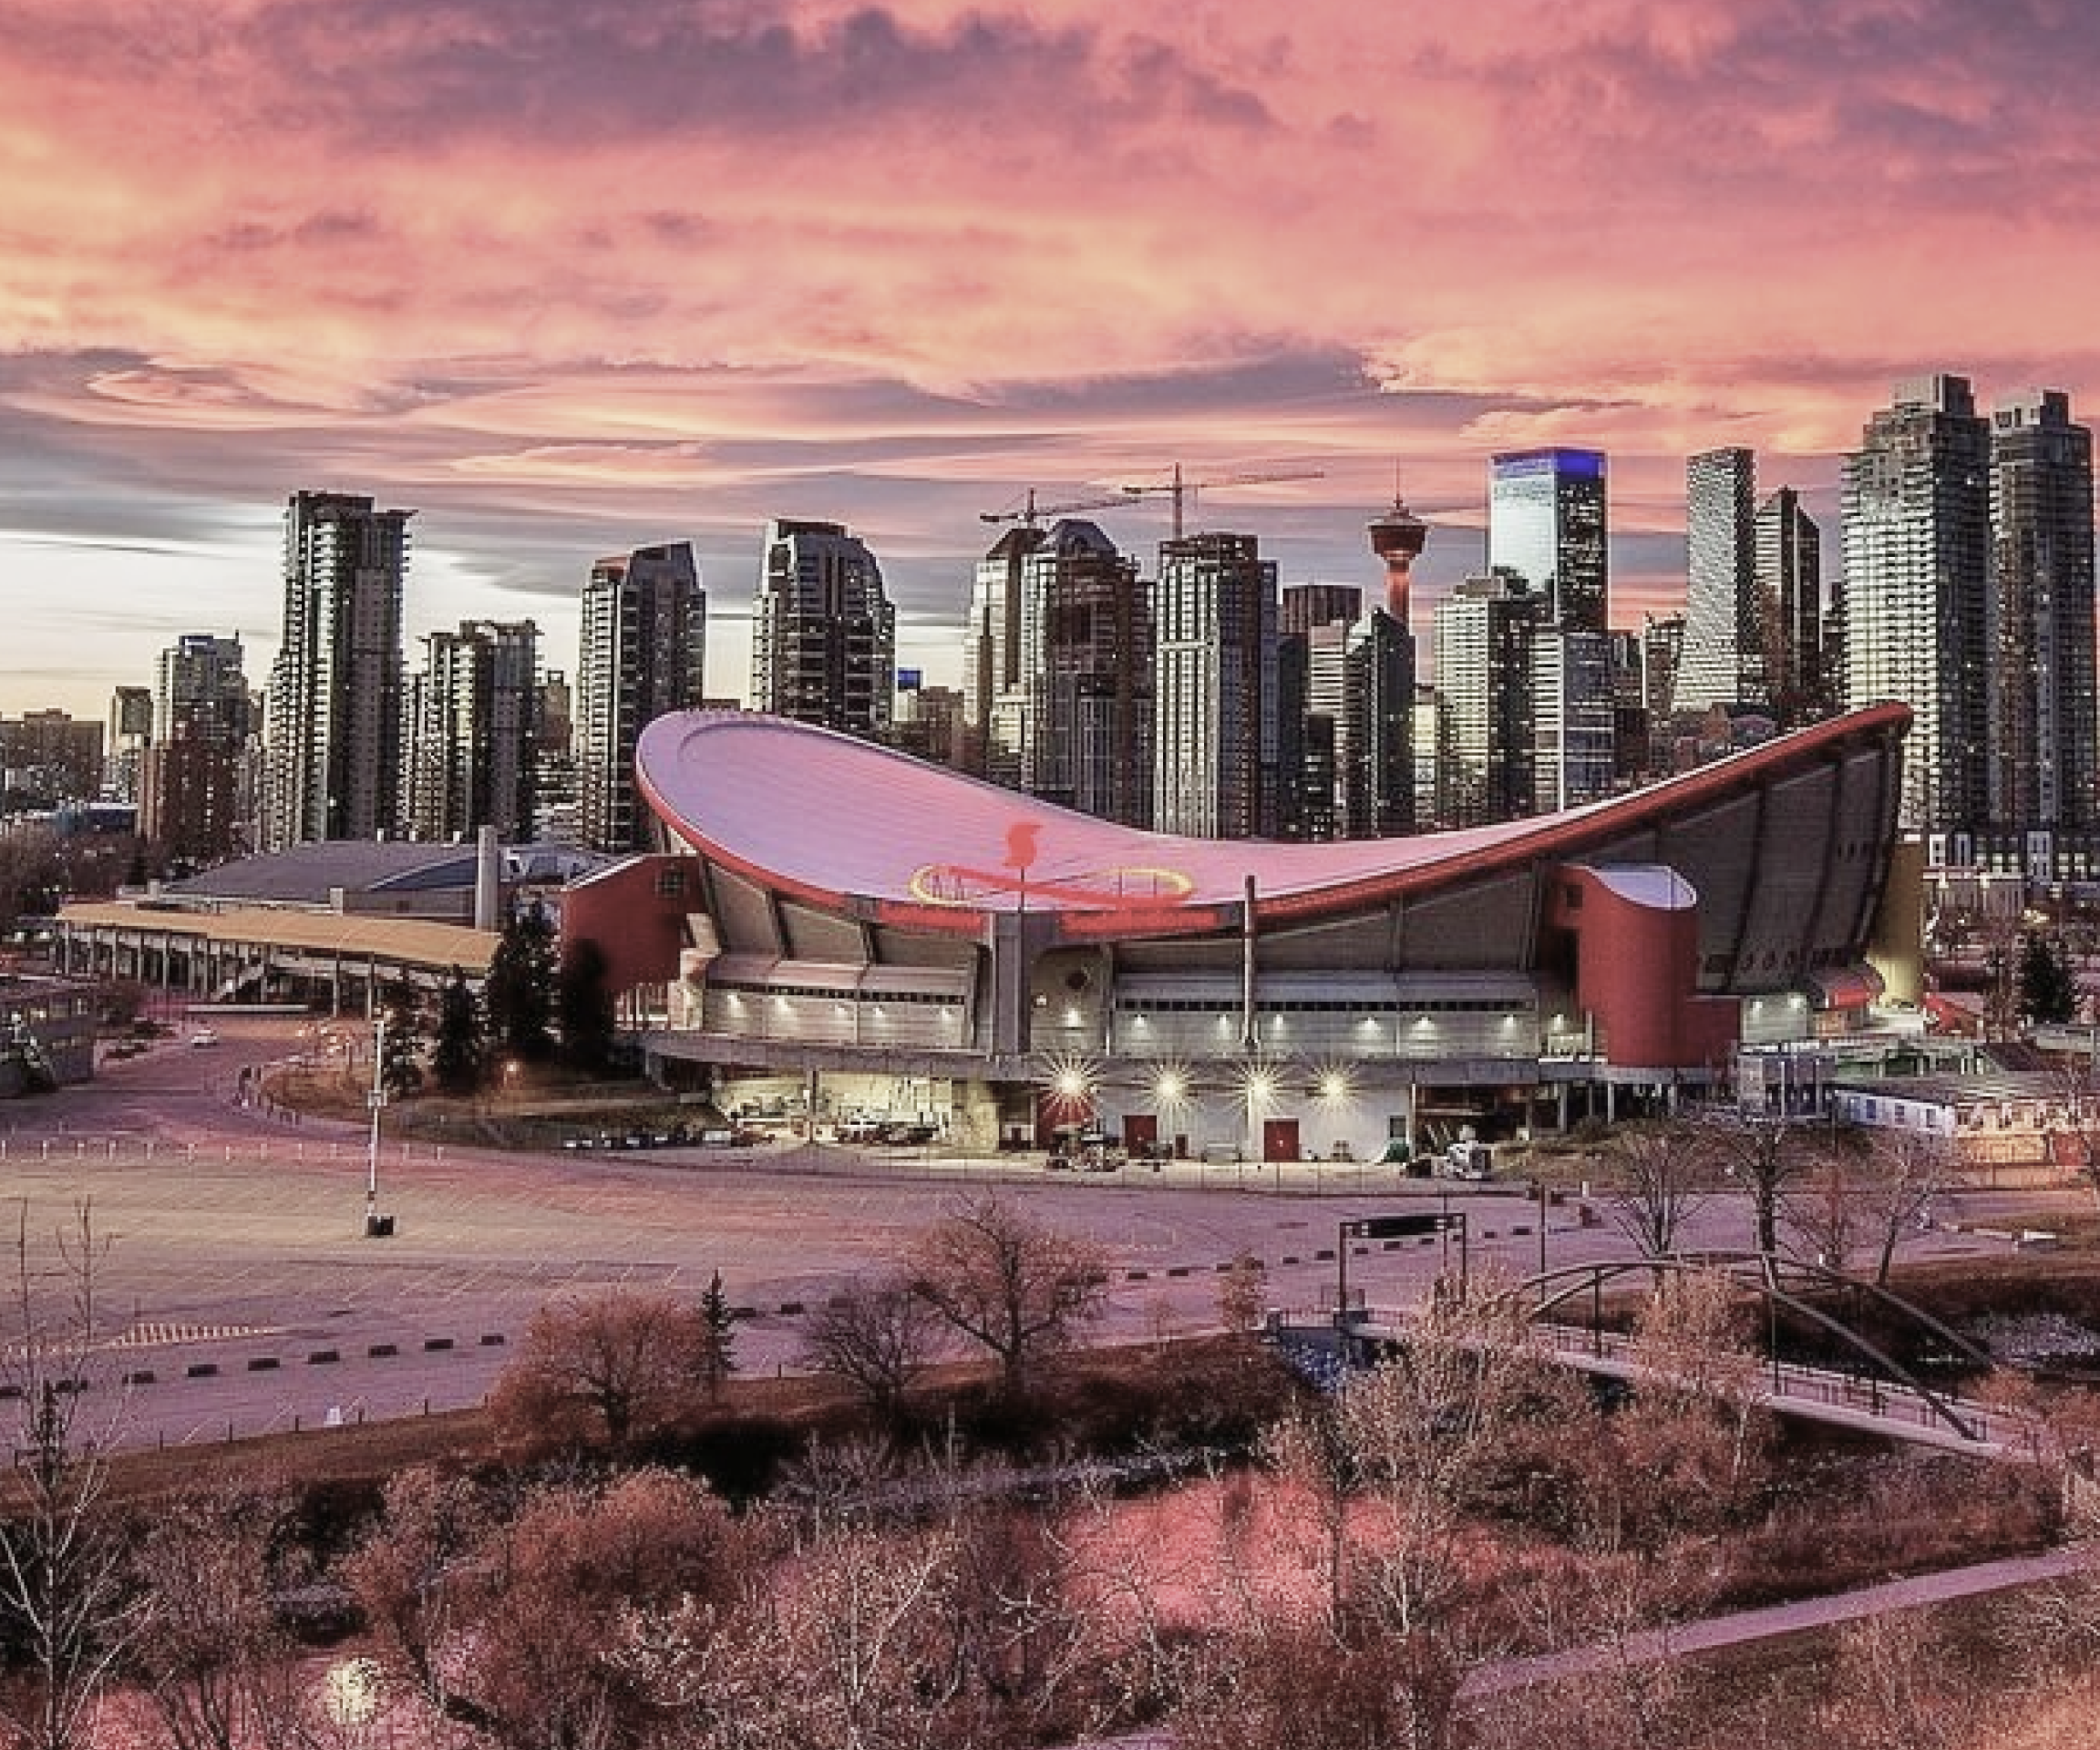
column 376, row 1226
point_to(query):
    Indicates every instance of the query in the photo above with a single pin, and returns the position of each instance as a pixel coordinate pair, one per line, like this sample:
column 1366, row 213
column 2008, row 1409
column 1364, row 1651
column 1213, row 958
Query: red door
column 1279, row 1139
column 1140, row 1131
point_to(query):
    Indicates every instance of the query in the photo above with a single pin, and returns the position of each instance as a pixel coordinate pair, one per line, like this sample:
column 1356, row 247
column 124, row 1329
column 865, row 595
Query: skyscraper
column 190, row 800
column 334, row 738
column 1661, row 650
column 823, row 632
column 1574, row 718
column 644, row 652
column 1301, row 606
column 1917, row 533
column 1790, row 590
column 1548, row 528
column 471, row 733
column 130, row 732
column 1632, row 731
column 201, row 686
column 1086, row 674
column 1311, row 622
column 1547, row 522
column 555, row 801
column 1355, row 778
column 1725, row 636
column 1215, row 746
column 48, row 757
column 2040, row 622
column 1374, row 738
column 993, row 698
column 1485, row 630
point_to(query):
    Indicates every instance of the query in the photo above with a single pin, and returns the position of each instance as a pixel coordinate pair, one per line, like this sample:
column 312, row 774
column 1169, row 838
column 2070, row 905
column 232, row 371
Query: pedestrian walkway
column 1740, row 1627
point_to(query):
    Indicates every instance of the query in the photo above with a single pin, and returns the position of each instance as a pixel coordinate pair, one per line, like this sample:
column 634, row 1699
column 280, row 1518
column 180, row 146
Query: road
column 240, row 1294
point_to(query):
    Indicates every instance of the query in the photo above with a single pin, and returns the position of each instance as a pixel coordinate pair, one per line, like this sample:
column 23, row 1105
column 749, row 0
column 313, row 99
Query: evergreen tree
column 519, row 995
column 718, row 1337
column 586, row 1007
column 2048, row 988
column 401, row 1041
column 455, row 1059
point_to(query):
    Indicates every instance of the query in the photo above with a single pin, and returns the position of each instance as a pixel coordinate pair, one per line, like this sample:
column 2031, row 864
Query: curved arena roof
column 847, row 825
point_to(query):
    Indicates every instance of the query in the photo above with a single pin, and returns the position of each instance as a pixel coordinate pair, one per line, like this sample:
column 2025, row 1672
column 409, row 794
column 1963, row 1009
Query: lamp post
column 1544, row 1200
column 374, row 1227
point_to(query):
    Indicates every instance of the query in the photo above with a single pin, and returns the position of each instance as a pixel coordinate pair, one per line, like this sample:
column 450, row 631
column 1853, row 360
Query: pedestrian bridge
column 1888, row 1407
column 1878, row 1395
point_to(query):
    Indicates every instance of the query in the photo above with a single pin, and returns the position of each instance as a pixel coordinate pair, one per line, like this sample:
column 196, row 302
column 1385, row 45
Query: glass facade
column 1725, row 634
column 1216, row 735
column 1916, row 560
column 823, row 632
column 644, row 653
column 2042, row 727
column 1547, row 522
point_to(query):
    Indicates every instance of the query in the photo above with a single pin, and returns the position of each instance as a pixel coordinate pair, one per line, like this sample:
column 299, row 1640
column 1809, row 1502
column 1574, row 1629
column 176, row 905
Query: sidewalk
column 1774, row 1620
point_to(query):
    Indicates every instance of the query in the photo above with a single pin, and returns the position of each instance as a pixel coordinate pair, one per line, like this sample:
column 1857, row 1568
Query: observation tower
column 1398, row 538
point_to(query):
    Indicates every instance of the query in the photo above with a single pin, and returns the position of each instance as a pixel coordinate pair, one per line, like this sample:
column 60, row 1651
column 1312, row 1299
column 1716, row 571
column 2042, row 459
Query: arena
column 841, row 937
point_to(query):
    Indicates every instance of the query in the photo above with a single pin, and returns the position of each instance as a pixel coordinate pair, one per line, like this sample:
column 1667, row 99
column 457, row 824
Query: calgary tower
column 1397, row 538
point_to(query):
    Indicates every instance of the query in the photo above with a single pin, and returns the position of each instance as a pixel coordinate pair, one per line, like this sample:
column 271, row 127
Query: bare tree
column 1284, row 1685
column 858, row 1617
column 1426, row 1430
column 213, row 1653
column 430, row 1526
column 1825, row 1213
column 1008, row 1283
column 2002, row 975
column 617, row 1363
column 1908, row 1169
column 63, row 1601
column 508, row 1625
column 1688, row 1440
column 878, row 1335
column 1898, row 1682
column 1393, row 1467
column 1766, row 1153
column 1665, row 1178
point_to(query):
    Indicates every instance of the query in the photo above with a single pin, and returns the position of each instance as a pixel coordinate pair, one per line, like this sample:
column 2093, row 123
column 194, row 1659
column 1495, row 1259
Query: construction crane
column 1029, row 512
column 1181, row 491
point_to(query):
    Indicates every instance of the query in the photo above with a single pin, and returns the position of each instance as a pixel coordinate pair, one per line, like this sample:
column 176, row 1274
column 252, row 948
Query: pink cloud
column 670, row 260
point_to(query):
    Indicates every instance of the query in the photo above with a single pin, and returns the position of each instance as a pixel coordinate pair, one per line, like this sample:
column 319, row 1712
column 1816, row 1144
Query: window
column 670, row 883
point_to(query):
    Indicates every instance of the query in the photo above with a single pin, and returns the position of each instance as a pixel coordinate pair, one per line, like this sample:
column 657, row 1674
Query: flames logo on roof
column 1140, row 887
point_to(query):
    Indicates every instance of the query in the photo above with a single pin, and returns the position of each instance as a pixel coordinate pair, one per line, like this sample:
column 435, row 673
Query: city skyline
column 569, row 280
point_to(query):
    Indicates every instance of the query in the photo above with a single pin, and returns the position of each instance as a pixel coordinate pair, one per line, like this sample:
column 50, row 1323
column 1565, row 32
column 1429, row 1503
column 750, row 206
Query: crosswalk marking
column 151, row 1333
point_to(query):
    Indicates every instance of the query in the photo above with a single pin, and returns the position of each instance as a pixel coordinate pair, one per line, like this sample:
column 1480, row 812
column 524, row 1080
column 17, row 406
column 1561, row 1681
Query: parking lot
column 240, row 1291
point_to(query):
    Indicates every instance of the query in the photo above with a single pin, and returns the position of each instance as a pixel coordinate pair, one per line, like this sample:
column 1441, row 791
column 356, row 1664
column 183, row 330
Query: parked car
column 204, row 1036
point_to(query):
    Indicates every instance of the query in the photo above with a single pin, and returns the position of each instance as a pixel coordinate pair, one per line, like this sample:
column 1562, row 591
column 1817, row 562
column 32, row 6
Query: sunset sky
column 571, row 276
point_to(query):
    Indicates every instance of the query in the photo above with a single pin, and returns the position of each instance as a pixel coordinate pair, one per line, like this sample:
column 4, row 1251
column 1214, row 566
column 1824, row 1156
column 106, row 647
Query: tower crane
column 1181, row 491
column 1030, row 511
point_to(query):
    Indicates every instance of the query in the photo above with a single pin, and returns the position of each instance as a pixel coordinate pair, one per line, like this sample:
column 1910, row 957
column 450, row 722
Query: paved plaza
column 238, row 1291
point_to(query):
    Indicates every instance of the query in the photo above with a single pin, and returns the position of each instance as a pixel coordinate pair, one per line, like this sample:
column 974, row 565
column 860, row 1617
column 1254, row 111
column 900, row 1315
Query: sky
column 569, row 277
